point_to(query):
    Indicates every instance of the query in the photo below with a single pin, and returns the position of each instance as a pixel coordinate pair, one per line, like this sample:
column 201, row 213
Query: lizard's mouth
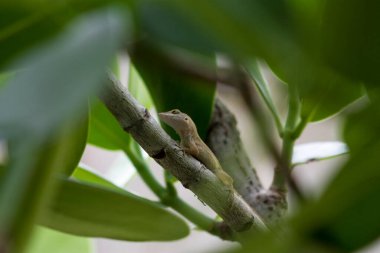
column 169, row 119
column 165, row 117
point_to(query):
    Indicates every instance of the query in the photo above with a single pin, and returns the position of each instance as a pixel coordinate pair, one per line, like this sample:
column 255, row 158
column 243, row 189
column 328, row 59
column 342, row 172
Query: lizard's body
column 193, row 145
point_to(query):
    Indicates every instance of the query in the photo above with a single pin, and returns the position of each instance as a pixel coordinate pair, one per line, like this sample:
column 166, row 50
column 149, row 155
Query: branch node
column 159, row 155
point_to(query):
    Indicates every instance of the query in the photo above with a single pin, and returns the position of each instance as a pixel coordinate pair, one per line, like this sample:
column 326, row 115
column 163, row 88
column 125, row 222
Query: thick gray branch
column 136, row 120
column 224, row 140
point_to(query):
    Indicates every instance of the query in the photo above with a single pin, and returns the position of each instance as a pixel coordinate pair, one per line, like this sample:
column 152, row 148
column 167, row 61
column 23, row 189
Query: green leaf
column 90, row 177
column 137, row 88
column 170, row 89
column 105, row 131
column 242, row 28
column 262, row 86
column 260, row 82
column 4, row 78
column 23, row 26
column 248, row 29
column 28, row 24
column 71, row 67
column 72, row 142
column 357, row 25
column 32, row 164
column 50, row 91
column 346, row 216
column 323, row 92
column 87, row 210
column 45, row 240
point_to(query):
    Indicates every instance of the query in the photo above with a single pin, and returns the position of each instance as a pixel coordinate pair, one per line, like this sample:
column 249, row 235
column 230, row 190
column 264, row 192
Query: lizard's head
column 178, row 120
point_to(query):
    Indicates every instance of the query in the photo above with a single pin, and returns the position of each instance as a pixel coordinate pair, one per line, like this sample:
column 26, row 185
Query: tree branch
column 136, row 120
column 224, row 139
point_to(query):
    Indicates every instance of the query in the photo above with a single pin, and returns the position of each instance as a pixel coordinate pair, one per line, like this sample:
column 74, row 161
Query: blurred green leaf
column 70, row 68
column 346, row 216
column 254, row 28
column 174, row 27
column 88, row 210
column 4, row 77
column 49, row 91
column 26, row 180
column 72, row 142
column 357, row 25
column 104, row 130
column 23, row 26
column 242, row 28
column 45, row 240
column 28, row 24
column 323, row 92
column 90, row 177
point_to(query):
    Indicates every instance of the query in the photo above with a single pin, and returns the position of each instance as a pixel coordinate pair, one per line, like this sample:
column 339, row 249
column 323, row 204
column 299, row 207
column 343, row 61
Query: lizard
column 193, row 145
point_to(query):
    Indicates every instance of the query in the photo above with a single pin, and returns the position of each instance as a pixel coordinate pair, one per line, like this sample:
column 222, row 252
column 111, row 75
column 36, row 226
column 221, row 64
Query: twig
column 136, row 120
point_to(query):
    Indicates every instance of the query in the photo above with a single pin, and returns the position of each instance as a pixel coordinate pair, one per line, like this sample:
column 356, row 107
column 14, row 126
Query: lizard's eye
column 175, row 111
column 186, row 119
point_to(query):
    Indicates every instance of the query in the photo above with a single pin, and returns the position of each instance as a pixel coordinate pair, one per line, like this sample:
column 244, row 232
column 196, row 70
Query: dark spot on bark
column 246, row 226
column 225, row 142
column 223, row 230
column 273, row 197
column 159, row 155
column 266, row 201
column 146, row 114
column 250, row 182
column 270, row 208
column 127, row 128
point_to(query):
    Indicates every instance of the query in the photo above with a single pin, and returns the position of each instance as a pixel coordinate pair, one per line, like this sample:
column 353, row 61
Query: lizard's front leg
column 189, row 146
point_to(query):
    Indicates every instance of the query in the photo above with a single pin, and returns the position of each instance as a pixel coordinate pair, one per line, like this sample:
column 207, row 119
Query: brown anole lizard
column 193, row 145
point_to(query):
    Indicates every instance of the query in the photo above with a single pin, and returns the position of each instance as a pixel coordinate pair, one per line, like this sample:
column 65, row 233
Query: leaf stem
column 192, row 214
column 143, row 170
column 166, row 196
column 269, row 103
column 288, row 139
column 301, row 126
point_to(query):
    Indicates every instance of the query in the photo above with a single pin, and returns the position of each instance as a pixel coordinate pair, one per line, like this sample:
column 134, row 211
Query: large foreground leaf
column 90, row 177
column 48, row 92
column 88, row 210
column 57, row 77
column 45, row 240
column 348, row 212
